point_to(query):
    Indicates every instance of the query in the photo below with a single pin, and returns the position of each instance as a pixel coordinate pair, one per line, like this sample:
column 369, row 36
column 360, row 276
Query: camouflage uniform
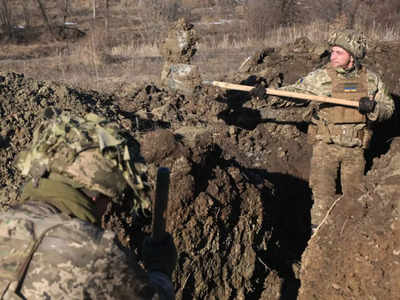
column 50, row 247
column 71, row 259
column 340, row 134
column 178, row 74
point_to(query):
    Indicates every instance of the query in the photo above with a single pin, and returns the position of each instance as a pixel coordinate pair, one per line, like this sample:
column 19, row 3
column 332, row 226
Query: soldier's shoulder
column 44, row 217
column 35, row 211
column 320, row 73
column 315, row 78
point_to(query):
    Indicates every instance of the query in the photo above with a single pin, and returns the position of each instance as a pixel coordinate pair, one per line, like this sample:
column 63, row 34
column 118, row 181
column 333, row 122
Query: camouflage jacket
column 46, row 255
column 319, row 83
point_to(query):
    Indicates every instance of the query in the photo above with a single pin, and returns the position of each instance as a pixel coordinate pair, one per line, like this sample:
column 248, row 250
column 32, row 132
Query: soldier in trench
column 340, row 134
column 52, row 245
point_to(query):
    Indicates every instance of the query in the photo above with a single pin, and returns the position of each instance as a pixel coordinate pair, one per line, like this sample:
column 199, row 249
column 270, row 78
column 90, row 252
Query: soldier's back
column 46, row 255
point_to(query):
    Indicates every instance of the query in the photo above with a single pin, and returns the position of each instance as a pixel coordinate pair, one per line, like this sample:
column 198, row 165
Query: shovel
column 160, row 205
column 274, row 92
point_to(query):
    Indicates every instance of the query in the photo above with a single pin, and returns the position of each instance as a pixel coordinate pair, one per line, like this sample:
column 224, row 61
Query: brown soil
column 239, row 196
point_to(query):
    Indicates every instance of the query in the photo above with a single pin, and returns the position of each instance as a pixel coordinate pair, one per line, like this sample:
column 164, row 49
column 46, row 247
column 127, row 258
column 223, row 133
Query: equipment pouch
column 320, row 132
column 366, row 139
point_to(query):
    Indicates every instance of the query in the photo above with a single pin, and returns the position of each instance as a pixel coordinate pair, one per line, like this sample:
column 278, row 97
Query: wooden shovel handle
column 281, row 93
column 160, row 202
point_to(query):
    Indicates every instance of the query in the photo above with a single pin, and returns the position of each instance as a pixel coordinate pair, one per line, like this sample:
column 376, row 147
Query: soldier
column 51, row 245
column 340, row 134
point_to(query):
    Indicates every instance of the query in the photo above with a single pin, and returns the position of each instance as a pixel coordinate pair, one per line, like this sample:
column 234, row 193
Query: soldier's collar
column 344, row 71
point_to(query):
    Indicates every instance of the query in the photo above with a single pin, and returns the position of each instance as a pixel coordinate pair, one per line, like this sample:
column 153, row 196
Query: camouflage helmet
column 87, row 153
column 350, row 40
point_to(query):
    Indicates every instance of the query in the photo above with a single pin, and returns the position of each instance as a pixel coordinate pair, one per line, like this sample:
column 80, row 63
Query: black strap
column 24, row 268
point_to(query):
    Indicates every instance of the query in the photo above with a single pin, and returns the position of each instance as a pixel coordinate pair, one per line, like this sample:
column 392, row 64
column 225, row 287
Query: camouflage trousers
column 332, row 164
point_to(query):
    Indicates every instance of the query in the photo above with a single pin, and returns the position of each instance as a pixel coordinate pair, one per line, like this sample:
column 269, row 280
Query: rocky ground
column 239, row 196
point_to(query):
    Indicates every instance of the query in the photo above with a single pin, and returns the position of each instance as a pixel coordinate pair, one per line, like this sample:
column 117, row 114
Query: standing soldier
column 340, row 134
column 51, row 245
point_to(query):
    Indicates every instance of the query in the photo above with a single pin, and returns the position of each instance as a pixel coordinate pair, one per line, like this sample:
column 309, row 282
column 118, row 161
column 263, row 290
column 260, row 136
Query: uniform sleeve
column 315, row 83
column 310, row 84
column 384, row 108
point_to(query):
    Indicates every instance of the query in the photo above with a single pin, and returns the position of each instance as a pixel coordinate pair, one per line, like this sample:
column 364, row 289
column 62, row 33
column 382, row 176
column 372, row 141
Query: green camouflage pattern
column 68, row 200
column 73, row 259
column 337, row 146
column 352, row 41
column 319, row 83
column 327, row 160
column 87, row 152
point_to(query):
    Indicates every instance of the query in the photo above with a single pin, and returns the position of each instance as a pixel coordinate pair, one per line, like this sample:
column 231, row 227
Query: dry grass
column 378, row 33
column 134, row 50
column 130, row 54
column 317, row 32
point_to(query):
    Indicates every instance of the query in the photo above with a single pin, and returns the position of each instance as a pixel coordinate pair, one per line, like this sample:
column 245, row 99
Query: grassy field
column 121, row 45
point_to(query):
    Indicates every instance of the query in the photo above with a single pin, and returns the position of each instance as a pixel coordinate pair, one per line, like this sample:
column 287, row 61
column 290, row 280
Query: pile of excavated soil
column 216, row 202
column 239, row 197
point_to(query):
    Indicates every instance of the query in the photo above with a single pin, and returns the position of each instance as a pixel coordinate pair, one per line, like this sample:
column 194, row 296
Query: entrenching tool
column 281, row 93
column 160, row 205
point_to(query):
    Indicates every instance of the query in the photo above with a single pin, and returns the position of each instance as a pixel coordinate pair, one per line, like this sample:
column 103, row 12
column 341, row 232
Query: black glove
column 159, row 256
column 366, row 105
column 259, row 92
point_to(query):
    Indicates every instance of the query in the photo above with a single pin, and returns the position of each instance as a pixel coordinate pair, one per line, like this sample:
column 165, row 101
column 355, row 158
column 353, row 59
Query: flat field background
column 104, row 45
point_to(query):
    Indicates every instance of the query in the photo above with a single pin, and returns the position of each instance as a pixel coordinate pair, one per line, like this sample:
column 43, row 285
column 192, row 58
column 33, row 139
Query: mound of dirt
column 239, row 197
column 216, row 203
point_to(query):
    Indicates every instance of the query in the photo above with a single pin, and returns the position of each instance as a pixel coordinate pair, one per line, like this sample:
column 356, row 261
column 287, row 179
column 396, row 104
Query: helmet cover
column 88, row 153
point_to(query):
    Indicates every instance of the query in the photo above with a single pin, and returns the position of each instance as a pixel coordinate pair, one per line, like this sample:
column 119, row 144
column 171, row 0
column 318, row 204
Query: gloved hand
column 159, row 256
column 366, row 105
column 259, row 92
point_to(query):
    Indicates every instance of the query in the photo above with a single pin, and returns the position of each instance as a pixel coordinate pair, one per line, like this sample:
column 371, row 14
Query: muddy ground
column 239, row 196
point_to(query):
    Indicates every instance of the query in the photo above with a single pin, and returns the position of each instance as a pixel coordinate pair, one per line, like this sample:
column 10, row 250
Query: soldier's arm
column 384, row 107
column 315, row 83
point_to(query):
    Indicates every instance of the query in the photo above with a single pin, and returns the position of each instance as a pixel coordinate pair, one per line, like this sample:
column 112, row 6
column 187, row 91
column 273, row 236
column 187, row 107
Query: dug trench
column 239, row 198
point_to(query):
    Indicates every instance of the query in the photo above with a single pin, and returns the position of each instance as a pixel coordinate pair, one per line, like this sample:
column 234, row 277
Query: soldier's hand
column 366, row 105
column 159, row 256
column 259, row 92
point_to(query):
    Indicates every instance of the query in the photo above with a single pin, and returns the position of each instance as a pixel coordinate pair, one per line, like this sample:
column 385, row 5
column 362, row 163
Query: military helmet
column 88, row 153
column 352, row 41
